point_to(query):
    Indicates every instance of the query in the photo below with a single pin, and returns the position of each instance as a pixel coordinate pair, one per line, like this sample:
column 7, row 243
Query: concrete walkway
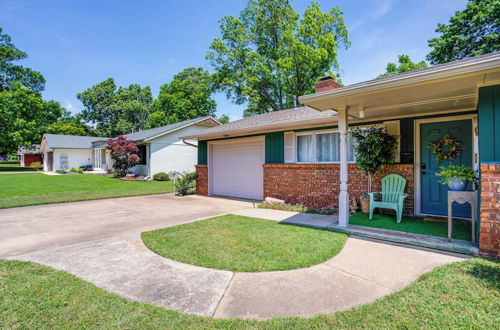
column 119, row 262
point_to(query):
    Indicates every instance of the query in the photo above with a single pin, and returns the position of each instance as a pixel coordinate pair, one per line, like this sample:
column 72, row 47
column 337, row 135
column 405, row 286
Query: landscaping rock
column 272, row 200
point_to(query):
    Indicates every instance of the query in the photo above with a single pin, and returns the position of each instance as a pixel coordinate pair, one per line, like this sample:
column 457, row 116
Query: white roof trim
column 182, row 127
column 440, row 71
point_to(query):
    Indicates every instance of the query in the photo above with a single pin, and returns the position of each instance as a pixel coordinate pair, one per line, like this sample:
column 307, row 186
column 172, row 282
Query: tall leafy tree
column 470, row 32
column 11, row 72
column 405, row 64
column 187, row 96
column 270, row 55
column 24, row 117
column 116, row 111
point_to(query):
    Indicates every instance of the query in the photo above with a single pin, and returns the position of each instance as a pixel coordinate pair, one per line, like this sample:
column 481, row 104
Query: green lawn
column 13, row 166
column 37, row 188
column 413, row 225
column 461, row 295
column 244, row 244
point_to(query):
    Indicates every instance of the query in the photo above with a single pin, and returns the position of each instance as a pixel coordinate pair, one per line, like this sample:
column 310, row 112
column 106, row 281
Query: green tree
column 472, row 31
column 115, row 111
column 269, row 55
column 187, row 96
column 25, row 115
column 66, row 127
column 10, row 72
column 224, row 119
column 405, row 64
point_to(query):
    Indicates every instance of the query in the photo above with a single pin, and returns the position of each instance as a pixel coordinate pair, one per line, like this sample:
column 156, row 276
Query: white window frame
column 314, row 133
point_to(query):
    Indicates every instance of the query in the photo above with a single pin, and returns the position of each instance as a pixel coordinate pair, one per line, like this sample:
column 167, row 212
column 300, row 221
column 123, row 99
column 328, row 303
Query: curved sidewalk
column 362, row 272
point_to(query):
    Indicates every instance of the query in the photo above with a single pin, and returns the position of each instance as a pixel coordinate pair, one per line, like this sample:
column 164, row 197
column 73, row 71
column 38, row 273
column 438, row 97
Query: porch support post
column 344, row 194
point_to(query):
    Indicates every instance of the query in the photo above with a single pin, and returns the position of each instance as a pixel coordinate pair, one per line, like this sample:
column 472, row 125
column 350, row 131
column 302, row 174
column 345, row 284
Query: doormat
column 435, row 219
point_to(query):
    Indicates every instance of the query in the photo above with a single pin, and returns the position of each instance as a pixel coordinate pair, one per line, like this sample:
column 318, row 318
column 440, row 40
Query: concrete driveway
column 33, row 228
column 99, row 241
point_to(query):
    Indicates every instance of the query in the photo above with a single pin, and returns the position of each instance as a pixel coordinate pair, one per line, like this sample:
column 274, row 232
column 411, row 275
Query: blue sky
column 78, row 43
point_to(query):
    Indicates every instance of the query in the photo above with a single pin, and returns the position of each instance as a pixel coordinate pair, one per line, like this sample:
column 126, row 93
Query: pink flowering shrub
column 123, row 153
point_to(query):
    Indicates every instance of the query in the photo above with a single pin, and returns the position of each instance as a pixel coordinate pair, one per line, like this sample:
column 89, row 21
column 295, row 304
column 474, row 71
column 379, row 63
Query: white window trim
column 314, row 133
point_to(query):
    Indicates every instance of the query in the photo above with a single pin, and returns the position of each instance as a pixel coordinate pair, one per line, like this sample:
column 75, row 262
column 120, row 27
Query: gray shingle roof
column 282, row 117
column 149, row 133
column 56, row 141
column 33, row 149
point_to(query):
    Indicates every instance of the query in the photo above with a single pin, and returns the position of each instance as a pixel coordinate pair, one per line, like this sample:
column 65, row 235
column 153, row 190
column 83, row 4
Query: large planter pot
column 457, row 184
column 365, row 205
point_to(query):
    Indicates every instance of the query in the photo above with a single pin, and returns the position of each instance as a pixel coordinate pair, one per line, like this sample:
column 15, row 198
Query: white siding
column 236, row 168
column 169, row 153
column 76, row 158
column 289, row 147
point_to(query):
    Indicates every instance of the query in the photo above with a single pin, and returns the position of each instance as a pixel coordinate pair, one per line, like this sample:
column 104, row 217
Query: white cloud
column 72, row 107
column 380, row 9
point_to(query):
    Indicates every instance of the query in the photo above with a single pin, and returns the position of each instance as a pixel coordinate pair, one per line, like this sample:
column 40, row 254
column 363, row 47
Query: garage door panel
column 237, row 168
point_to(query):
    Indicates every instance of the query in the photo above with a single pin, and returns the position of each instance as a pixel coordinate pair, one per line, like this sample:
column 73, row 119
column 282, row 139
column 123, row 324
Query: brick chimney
column 325, row 84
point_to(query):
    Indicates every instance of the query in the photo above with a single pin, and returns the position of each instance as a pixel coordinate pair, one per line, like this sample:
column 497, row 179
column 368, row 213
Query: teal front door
column 435, row 195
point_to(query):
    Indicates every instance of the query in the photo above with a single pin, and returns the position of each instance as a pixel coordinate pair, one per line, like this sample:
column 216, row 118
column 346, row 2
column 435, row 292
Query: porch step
column 438, row 243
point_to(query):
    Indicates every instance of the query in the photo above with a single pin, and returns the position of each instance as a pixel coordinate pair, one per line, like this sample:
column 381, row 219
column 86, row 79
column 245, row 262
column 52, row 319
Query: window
column 142, row 153
column 63, row 162
column 322, row 147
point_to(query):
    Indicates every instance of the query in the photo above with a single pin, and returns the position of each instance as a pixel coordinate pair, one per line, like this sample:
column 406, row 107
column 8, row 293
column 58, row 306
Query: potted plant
column 374, row 148
column 457, row 177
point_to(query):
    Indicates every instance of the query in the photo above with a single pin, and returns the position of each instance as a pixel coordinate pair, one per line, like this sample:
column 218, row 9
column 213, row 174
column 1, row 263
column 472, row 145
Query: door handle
column 422, row 166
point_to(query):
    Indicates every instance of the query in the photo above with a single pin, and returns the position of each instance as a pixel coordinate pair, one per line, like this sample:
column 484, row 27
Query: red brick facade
column 31, row 158
column 489, row 231
column 317, row 185
column 202, row 180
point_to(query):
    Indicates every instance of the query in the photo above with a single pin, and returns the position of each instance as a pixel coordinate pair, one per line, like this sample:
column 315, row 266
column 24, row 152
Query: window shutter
column 289, row 147
column 392, row 128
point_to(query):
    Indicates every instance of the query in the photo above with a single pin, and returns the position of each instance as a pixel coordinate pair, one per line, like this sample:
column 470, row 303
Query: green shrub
column 80, row 170
column 162, row 176
column 73, row 169
column 36, row 165
column 61, row 172
column 184, row 183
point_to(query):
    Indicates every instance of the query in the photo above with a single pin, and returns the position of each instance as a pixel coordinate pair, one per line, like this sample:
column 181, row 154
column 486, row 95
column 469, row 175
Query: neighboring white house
column 160, row 149
column 63, row 152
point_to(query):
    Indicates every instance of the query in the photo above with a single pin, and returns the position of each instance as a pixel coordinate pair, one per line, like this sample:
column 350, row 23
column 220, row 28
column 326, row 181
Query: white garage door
column 236, row 168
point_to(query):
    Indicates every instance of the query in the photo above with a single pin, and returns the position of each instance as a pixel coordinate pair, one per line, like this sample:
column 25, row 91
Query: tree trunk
column 369, row 182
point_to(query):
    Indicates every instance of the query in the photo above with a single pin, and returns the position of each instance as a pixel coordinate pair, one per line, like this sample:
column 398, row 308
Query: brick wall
column 317, row 185
column 489, row 231
column 31, row 158
column 202, row 180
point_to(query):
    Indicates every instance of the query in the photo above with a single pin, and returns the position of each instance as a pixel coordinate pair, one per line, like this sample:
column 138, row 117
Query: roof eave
column 263, row 128
column 407, row 79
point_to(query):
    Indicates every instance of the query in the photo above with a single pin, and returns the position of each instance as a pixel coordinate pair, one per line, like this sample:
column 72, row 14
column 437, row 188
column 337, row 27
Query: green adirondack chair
column 392, row 194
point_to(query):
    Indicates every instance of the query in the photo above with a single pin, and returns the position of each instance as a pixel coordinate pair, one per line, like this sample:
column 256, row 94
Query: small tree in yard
column 374, row 149
column 123, row 153
column 184, row 183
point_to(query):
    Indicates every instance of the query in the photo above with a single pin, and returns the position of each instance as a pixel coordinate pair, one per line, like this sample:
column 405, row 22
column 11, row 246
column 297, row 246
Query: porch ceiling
column 406, row 99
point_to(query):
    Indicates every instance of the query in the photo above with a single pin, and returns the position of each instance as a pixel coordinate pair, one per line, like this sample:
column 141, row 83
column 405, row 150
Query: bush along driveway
column 38, row 188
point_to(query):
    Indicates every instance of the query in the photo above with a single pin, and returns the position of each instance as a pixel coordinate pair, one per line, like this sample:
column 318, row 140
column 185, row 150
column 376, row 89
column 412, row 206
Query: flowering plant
column 123, row 153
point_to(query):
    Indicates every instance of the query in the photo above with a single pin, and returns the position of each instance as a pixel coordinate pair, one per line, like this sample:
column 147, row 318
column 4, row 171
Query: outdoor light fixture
column 362, row 112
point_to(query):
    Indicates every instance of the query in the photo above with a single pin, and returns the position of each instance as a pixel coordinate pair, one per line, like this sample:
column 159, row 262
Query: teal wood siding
column 489, row 123
column 275, row 148
column 202, row 152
